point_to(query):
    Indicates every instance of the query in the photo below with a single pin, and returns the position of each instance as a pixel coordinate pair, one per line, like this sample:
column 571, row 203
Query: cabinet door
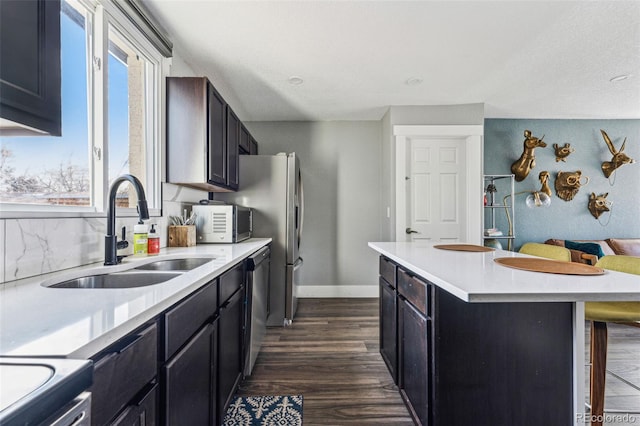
column 245, row 140
column 414, row 374
column 253, row 146
column 388, row 330
column 188, row 382
column 229, row 349
column 233, row 141
column 217, row 137
column 30, row 64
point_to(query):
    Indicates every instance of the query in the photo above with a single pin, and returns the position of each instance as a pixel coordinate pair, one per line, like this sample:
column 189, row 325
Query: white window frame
column 101, row 15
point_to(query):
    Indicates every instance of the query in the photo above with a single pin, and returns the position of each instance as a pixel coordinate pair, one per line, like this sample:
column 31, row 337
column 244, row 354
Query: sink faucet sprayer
column 110, row 240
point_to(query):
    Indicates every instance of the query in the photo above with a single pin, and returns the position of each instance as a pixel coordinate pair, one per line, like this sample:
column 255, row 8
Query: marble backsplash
column 34, row 246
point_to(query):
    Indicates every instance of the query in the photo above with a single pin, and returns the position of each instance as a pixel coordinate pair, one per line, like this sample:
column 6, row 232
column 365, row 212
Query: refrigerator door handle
column 298, row 263
column 301, row 209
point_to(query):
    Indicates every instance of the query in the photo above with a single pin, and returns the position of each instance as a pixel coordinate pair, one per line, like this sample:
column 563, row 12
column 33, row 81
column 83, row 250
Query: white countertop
column 475, row 277
column 77, row 323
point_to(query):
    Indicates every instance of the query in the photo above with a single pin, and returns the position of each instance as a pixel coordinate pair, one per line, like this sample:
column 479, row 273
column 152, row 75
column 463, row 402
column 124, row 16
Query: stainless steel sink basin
column 186, row 264
column 127, row 279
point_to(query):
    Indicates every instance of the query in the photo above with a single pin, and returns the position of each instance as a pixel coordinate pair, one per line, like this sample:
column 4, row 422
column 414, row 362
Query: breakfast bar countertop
column 476, row 277
column 36, row 320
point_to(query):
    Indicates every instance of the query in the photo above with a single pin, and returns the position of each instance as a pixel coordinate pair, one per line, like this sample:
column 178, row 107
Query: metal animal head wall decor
column 527, row 161
column 619, row 157
column 567, row 184
column 544, row 179
column 562, row 152
column 599, row 204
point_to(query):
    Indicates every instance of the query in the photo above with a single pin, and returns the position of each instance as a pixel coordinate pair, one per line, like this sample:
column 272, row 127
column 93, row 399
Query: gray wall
column 569, row 220
column 340, row 163
column 436, row 115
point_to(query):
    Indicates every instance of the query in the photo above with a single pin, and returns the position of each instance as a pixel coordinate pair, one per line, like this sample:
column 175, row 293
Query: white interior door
column 436, row 190
column 438, row 183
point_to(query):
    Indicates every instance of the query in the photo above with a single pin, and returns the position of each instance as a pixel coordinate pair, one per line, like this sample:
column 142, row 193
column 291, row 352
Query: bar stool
column 600, row 313
column 546, row 250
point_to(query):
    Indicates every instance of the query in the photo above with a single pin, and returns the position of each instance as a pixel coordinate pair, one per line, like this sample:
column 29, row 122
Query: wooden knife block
column 182, row 236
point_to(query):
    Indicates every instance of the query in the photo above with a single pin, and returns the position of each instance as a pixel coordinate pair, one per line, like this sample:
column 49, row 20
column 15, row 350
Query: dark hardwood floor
column 331, row 356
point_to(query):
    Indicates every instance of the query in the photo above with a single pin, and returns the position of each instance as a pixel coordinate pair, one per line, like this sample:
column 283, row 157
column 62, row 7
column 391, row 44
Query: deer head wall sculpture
column 527, row 161
column 619, row 157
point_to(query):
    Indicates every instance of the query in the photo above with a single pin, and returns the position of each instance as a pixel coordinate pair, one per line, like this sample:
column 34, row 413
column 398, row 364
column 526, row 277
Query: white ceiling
column 522, row 59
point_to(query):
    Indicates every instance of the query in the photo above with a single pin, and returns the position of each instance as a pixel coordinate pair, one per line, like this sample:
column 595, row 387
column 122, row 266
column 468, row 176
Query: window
column 110, row 120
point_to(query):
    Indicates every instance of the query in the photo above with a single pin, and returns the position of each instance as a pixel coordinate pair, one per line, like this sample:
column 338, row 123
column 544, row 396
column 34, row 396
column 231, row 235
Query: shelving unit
column 497, row 213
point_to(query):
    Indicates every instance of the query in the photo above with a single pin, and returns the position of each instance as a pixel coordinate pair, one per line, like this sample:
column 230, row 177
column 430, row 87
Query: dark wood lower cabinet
column 188, row 382
column 415, row 336
column 229, row 350
column 388, row 327
column 181, row 368
column 122, row 372
column 143, row 412
column 470, row 363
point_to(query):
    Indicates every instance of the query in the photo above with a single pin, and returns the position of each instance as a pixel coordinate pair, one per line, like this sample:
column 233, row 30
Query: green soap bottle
column 140, row 235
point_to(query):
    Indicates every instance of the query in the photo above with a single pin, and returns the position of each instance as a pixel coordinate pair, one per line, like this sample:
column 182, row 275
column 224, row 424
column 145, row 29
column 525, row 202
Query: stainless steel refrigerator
column 272, row 186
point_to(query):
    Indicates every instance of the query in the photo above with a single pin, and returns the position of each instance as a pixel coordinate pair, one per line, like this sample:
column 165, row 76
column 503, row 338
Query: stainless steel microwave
column 223, row 223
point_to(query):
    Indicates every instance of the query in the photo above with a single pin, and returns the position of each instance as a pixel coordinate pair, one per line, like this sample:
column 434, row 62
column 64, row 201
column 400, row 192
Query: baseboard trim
column 326, row 291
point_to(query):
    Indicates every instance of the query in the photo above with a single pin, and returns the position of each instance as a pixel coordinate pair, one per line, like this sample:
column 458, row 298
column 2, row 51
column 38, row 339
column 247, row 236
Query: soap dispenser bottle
column 153, row 241
column 140, row 239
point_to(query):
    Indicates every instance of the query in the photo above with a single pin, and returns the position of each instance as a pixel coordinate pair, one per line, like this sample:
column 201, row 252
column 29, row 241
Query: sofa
column 586, row 251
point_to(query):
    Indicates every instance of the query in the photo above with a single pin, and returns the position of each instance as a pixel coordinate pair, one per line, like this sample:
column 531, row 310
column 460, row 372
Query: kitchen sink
column 186, row 264
column 127, row 279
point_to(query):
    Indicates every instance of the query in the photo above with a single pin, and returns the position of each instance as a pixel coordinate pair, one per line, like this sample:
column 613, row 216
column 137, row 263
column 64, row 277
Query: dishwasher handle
column 257, row 258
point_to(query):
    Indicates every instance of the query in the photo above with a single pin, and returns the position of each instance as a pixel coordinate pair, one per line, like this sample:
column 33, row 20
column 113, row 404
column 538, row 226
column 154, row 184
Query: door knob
column 410, row 231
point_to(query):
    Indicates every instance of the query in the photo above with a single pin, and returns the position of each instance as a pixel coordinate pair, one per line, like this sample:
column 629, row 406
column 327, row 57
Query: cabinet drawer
column 388, row 271
column 187, row 317
column 142, row 412
column 122, row 371
column 415, row 290
column 231, row 281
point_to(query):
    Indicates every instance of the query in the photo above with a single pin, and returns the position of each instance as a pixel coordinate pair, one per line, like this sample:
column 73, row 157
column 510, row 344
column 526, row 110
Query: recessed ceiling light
column 295, row 80
column 619, row 78
column 413, row 81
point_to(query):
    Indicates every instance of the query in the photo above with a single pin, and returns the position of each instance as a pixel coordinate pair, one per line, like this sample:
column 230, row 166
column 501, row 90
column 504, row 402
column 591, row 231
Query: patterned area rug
column 265, row 411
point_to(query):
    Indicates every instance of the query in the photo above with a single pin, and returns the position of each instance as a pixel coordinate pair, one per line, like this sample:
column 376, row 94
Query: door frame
column 473, row 136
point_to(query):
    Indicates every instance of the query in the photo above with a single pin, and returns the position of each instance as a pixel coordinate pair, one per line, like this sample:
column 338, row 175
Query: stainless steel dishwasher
column 258, row 283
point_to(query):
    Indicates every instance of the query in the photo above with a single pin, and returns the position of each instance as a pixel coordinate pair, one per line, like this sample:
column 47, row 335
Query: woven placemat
column 549, row 266
column 463, row 247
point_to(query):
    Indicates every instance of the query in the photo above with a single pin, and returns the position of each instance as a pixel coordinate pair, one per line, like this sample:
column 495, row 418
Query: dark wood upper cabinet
column 233, row 146
column 203, row 136
column 30, row 101
column 253, row 146
column 245, row 140
column 217, row 147
column 197, row 133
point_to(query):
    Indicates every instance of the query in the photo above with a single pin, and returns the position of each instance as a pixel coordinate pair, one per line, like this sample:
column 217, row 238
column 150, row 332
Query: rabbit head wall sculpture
column 619, row 157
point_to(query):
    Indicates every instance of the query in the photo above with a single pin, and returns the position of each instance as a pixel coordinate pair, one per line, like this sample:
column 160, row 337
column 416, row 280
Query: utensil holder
column 182, row 236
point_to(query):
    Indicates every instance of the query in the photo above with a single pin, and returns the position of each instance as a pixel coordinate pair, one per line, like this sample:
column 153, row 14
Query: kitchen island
column 469, row 341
